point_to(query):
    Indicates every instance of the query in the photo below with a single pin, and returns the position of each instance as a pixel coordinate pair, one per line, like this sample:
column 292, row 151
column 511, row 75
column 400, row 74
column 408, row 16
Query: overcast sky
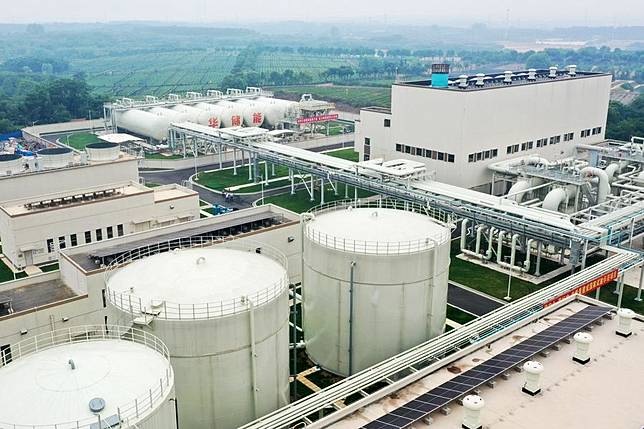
column 493, row 12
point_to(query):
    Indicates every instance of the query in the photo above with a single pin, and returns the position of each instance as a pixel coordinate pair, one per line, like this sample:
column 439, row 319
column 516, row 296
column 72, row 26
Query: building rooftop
column 377, row 109
column 32, row 295
column 601, row 393
column 483, row 81
column 79, row 197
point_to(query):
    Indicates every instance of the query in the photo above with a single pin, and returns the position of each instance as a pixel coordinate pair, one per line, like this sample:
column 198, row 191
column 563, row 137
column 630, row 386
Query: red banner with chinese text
column 587, row 287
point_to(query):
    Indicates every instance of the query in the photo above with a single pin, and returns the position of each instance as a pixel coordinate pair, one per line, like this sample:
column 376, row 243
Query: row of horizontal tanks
column 155, row 122
column 374, row 284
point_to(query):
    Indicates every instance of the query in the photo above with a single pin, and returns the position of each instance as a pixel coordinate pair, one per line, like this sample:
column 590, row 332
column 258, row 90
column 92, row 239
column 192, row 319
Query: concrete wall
column 371, row 126
column 67, row 179
column 464, row 122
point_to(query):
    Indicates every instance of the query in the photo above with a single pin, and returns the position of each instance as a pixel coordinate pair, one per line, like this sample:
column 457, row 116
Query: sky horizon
column 464, row 12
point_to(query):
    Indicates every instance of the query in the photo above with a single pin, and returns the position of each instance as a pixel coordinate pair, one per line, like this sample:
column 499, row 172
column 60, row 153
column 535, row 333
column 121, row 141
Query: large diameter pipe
column 554, row 198
column 518, row 190
column 603, row 187
column 490, row 244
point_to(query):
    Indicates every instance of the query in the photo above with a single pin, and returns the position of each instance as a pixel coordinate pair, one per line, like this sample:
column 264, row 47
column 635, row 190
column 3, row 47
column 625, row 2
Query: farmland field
column 313, row 64
column 356, row 96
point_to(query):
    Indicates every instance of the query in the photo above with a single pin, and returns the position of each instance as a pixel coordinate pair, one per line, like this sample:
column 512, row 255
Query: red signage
column 321, row 118
column 235, row 121
column 258, row 118
column 587, row 287
column 213, row 123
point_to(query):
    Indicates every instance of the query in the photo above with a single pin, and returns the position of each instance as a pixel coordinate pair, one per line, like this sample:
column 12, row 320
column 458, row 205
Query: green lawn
column 271, row 185
column 80, row 140
column 300, row 202
column 50, row 267
column 6, row 274
column 459, row 316
column 161, row 156
column 356, row 96
column 225, row 178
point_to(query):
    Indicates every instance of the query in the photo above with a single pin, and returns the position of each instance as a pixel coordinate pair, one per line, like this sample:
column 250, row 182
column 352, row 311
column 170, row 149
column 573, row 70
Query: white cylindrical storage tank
column 252, row 112
column 198, row 116
column 223, row 312
column 375, row 282
column 231, row 114
column 215, row 114
column 103, row 151
column 169, row 115
column 274, row 112
column 285, row 107
column 145, row 124
column 55, row 157
column 73, row 377
column 11, row 163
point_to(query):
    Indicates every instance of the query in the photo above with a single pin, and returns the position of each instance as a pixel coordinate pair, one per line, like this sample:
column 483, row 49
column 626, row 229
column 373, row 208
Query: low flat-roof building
column 34, row 229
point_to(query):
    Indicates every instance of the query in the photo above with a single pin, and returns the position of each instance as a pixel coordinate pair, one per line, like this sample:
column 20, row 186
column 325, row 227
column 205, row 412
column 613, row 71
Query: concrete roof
column 605, row 393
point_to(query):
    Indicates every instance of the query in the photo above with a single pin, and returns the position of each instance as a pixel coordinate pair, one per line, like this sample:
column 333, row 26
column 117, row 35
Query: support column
column 638, row 298
column 235, row 161
column 273, row 169
column 312, row 188
column 620, row 286
column 292, row 177
column 255, row 165
column 221, row 149
column 266, row 173
column 583, row 256
column 538, row 264
column 321, row 191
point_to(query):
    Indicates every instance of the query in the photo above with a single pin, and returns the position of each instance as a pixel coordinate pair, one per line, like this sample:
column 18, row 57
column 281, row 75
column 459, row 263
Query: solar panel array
column 464, row 383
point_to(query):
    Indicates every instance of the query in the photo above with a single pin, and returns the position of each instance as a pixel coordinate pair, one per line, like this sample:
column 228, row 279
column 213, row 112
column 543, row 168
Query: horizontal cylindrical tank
column 55, row 157
column 76, row 377
column 198, row 116
column 169, row 115
column 252, row 112
column 215, row 114
column 223, row 312
column 145, row 124
column 103, row 151
column 232, row 114
column 374, row 282
column 279, row 109
column 10, row 163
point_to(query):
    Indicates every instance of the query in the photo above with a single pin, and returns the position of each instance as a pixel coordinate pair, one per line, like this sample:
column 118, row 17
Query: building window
column 399, row 148
column 99, row 234
column 407, row 149
column 104, row 300
column 597, row 130
column 542, row 142
column 73, row 240
column 50, row 245
column 5, row 354
column 61, row 242
column 366, row 157
column 119, row 230
column 367, row 141
column 479, row 156
column 470, row 157
column 508, row 150
column 441, row 156
column 495, row 153
column 88, row 236
column 428, row 153
column 529, row 144
column 585, row 133
column 110, row 232
column 450, row 157
column 555, row 139
column 568, row 137
column 387, row 123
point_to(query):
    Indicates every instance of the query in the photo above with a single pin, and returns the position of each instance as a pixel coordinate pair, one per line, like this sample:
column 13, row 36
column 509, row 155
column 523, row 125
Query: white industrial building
column 459, row 127
column 34, row 229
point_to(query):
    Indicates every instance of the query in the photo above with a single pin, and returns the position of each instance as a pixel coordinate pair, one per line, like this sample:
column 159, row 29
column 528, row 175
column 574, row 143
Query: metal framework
column 510, row 218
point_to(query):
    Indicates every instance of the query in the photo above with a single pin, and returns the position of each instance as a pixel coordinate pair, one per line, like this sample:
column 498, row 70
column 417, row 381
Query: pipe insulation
column 603, row 187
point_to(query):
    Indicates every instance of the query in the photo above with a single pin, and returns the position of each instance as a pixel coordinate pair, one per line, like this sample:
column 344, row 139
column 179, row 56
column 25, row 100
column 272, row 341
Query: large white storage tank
column 198, row 116
column 76, row 377
column 55, row 157
column 103, row 151
column 280, row 110
column 143, row 123
column 232, row 114
column 374, row 283
column 215, row 113
column 223, row 312
column 252, row 111
column 169, row 115
column 10, row 163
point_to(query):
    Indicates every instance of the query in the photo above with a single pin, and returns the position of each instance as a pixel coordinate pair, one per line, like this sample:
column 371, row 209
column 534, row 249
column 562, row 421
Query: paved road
column 164, row 177
column 469, row 301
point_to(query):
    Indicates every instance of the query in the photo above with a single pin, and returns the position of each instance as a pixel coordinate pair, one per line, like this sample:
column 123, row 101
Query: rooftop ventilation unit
column 462, row 81
column 214, row 93
column 440, row 74
column 150, row 99
column 507, row 77
column 173, row 97
column 532, row 74
column 480, row 79
column 553, row 72
column 191, row 95
column 572, row 70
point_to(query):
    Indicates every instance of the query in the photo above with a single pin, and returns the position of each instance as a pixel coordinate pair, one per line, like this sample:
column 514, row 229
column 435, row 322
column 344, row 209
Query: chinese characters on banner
column 235, row 120
column 213, row 123
column 587, row 287
column 257, row 118
column 320, row 118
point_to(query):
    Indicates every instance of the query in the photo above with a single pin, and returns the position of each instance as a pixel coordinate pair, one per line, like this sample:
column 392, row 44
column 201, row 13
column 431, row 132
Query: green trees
column 538, row 60
column 625, row 121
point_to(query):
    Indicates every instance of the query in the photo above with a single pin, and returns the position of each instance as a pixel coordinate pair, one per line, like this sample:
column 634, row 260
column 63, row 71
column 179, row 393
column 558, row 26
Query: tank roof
column 55, row 385
column 101, row 145
column 376, row 230
column 54, row 151
column 212, row 279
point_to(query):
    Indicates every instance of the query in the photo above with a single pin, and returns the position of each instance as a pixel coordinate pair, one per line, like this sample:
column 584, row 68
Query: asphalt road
column 469, row 301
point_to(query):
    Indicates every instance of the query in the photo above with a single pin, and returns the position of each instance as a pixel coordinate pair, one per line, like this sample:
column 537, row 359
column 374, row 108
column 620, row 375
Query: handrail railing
column 130, row 412
column 378, row 247
column 129, row 302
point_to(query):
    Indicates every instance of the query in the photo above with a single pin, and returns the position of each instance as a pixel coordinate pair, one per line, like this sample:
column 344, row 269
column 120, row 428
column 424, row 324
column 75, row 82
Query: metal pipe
column 537, row 267
column 490, row 244
column 499, row 249
column 638, row 298
column 528, row 254
column 479, row 231
column 253, row 356
column 463, row 233
column 351, row 283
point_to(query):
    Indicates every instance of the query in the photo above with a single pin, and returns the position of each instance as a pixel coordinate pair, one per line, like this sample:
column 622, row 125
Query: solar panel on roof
column 460, row 385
